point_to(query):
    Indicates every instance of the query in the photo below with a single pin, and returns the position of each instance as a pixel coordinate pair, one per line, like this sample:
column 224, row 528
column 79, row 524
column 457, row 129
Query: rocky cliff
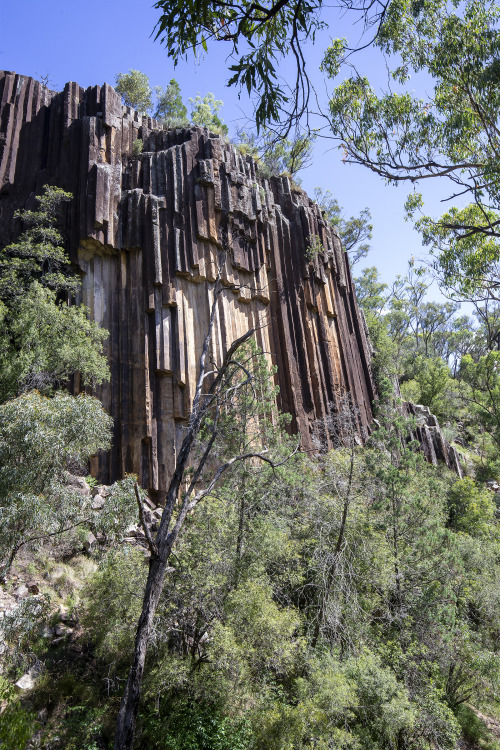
column 146, row 230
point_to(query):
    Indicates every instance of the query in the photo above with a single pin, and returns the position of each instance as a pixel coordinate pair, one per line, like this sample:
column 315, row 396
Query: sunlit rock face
column 147, row 231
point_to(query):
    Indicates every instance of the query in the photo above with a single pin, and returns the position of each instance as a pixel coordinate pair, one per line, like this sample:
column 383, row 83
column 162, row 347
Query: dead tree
column 208, row 403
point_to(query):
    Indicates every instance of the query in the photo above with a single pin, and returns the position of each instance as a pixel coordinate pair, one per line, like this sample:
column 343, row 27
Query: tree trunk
column 331, row 573
column 124, row 737
column 165, row 539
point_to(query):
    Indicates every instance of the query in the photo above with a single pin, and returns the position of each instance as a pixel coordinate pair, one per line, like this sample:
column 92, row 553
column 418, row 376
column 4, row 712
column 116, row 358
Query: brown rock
column 146, row 231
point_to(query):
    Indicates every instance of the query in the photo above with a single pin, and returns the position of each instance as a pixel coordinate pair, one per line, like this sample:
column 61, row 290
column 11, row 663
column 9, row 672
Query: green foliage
column 137, row 147
column 467, row 259
column 17, row 724
column 353, row 232
column 112, row 603
column 169, row 105
column 370, row 291
column 268, row 32
column 38, row 254
column 205, row 113
column 433, row 377
column 186, row 725
column 470, row 508
column 474, row 729
column 314, row 248
column 383, row 709
column 39, row 438
column 277, row 155
column 286, row 156
column 384, row 359
column 46, row 342
column 483, row 379
column 452, row 134
column 135, row 90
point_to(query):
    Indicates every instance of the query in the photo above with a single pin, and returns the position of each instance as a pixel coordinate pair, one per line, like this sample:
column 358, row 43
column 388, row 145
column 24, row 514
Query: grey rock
column 77, row 483
column 62, row 630
column 192, row 178
column 26, row 682
column 132, row 531
column 102, row 490
column 89, row 541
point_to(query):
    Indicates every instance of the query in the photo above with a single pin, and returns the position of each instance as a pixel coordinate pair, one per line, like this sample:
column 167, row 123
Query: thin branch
column 145, row 527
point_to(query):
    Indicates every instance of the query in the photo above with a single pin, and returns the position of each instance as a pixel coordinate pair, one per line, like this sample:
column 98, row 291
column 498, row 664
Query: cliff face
column 146, row 231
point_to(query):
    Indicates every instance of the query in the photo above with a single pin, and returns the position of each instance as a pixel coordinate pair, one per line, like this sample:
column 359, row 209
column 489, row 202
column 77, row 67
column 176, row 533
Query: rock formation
column 146, row 230
column 432, row 442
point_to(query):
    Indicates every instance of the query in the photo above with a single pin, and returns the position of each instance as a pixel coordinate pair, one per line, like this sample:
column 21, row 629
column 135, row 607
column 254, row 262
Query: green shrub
column 470, row 508
column 17, row 724
column 182, row 724
column 474, row 729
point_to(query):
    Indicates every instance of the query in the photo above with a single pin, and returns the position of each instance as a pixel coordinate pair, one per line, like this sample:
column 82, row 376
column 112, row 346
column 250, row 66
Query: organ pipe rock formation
column 146, row 229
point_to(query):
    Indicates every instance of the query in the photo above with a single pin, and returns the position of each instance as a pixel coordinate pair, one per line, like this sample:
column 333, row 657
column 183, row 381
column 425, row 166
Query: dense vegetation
column 346, row 599
column 343, row 600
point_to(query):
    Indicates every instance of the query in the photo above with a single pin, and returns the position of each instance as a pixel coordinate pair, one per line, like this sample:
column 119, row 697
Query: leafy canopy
column 205, row 113
column 44, row 339
column 38, row 254
column 39, row 438
column 169, row 105
column 267, row 31
column 135, row 90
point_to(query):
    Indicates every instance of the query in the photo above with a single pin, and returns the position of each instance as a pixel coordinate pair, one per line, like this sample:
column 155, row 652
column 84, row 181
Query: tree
column 353, row 231
column 277, row 155
column 169, row 105
column 284, row 155
column 205, row 113
column 370, row 291
column 39, row 438
column 45, row 340
column 210, row 409
column 269, row 31
column 433, row 378
column 38, row 254
column 339, row 488
column 135, row 90
column 452, row 134
column 470, row 508
column 483, row 380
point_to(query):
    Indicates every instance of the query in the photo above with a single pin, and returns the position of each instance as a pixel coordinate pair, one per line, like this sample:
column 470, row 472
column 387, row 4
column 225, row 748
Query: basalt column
column 152, row 211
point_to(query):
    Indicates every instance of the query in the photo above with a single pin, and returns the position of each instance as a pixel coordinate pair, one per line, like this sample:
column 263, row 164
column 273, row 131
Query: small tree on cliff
column 43, row 339
column 215, row 430
column 205, row 113
column 135, row 90
column 169, row 106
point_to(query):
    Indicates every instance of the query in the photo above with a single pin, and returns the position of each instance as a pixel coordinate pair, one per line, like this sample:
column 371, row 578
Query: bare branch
column 145, row 527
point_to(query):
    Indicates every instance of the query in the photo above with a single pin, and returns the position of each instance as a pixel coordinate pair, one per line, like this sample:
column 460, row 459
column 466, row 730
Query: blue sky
column 93, row 41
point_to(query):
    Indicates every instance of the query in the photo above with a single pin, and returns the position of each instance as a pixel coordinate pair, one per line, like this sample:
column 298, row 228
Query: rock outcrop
column 433, row 444
column 146, row 230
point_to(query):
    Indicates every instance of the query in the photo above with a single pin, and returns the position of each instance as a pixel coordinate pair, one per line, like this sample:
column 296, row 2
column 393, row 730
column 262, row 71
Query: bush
column 182, row 724
column 470, row 508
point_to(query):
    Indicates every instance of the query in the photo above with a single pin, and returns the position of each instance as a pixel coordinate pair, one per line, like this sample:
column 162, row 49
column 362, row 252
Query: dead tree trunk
column 206, row 401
